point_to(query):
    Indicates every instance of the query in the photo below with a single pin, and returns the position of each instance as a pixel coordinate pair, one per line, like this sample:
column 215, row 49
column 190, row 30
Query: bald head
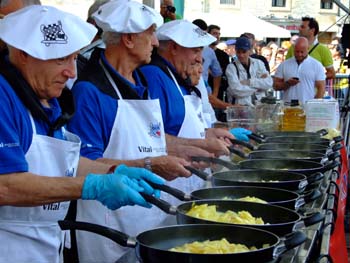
column 301, row 49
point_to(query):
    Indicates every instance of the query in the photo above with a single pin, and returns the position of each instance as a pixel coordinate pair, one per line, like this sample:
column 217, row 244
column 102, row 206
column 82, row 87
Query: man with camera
column 167, row 10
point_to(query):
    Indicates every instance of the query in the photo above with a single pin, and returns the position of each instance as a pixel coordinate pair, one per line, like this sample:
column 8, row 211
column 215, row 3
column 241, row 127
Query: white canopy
column 234, row 24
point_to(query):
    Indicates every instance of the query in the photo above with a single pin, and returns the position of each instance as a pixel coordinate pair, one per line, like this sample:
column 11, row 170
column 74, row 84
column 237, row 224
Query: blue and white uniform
column 116, row 128
column 181, row 109
column 31, row 234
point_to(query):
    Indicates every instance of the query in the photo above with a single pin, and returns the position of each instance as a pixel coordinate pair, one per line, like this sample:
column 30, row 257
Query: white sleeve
column 234, row 85
column 258, row 82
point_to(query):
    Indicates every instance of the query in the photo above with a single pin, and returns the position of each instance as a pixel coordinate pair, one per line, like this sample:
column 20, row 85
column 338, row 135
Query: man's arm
column 320, row 89
column 28, row 189
column 330, row 73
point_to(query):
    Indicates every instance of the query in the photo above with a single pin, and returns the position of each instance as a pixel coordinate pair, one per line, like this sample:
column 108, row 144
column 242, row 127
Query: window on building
column 227, row 2
column 278, row 3
column 326, row 4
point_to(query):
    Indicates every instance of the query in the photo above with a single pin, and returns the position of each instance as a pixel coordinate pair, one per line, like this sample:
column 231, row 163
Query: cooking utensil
column 312, row 170
column 312, row 147
column 153, row 246
column 278, row 220
column 273, row 196
column 287, row 154
column 261, row 178
column 296, row 139
column 299, row 166
column 318, row 134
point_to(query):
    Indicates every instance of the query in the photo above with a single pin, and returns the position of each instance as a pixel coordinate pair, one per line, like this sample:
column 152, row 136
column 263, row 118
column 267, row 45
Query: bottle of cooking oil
column 293, row 117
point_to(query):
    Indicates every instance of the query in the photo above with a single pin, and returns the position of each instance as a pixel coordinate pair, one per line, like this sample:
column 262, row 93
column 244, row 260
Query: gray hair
column 111, row 38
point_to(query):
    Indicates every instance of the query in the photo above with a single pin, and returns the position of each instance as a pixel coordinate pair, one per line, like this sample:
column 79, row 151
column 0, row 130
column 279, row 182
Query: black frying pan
column 299, row 166
column 316, row 134
column 286, row 154
column 290, row 145
column 153, row 246
column 261, row 178
column 275, row 178
column 296, row 139
column 278, row 220
column 273, row 196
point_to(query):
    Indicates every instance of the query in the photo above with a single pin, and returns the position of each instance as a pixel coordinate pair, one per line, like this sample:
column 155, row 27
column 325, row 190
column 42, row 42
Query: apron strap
column 110, row 79
column 174, row 79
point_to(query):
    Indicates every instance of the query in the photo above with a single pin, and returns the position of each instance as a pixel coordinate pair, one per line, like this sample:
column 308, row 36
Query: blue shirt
column 16, row 132
column 162, row 87
column 95, row 114
column 211, row 63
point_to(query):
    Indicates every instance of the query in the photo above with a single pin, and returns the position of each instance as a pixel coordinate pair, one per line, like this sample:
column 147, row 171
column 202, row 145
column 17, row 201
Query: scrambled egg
column 331, row 134
column 208, row 212
column 252, row 199
column 213, row 247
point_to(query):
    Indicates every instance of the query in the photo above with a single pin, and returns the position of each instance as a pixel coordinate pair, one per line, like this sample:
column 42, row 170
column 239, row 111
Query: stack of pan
column 283, row 184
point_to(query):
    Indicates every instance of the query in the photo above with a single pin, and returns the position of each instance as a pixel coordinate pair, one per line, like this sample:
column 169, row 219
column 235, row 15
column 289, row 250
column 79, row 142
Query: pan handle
column 337, row 147
column 199, row 173
column 255, row 137
column 316, row 177
column 219, row 161
column 244, row 144
column 288, row 242
column 161, row 204
column 117, row 236
column 322, row 132
column 330, row 166
column 334, row 155
column 337, row 139
column 313, row 218
column 172, row 191
column 238, row 152
column 312, row 195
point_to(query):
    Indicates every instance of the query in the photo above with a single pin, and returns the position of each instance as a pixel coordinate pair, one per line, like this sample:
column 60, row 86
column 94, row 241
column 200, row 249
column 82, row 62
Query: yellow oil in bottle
column 293, row 119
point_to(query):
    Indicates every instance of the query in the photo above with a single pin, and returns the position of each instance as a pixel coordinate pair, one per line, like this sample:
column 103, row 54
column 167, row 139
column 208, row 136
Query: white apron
column 31, row 234
column 193, row 127
column 137, row 132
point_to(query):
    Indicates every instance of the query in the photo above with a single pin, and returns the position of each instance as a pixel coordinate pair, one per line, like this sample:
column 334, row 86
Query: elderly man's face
column 186, row 58
column 143, row 45
column 49, row 77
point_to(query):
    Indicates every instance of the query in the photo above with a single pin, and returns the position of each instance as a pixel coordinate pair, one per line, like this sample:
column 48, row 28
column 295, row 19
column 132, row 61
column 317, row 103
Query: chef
column 40, row 167
column 118, row 123
column 180, row 49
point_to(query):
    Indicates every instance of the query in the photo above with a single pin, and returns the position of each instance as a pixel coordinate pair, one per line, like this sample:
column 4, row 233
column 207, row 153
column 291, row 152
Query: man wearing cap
column 40, row 165
column 180, row 48
column 118, row 122
column 247, row 77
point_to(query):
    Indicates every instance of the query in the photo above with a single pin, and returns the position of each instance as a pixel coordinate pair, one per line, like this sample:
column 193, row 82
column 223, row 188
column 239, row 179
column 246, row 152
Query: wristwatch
column 148, row 163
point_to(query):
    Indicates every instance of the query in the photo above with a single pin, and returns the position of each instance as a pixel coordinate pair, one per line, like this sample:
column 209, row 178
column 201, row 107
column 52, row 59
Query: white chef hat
column 185, row 34
column 126, row 17
column 45, row 32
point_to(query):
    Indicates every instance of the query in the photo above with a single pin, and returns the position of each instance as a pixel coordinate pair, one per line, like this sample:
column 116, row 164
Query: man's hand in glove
column 241, row 134
column 120, row 188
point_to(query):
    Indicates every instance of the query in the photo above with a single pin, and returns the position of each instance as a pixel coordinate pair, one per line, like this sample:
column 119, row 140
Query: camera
column 171, row 9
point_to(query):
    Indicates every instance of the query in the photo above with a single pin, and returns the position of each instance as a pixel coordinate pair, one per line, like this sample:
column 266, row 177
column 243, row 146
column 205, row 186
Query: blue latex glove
column 114, row 190
column 241, row 134
column 141, row 176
